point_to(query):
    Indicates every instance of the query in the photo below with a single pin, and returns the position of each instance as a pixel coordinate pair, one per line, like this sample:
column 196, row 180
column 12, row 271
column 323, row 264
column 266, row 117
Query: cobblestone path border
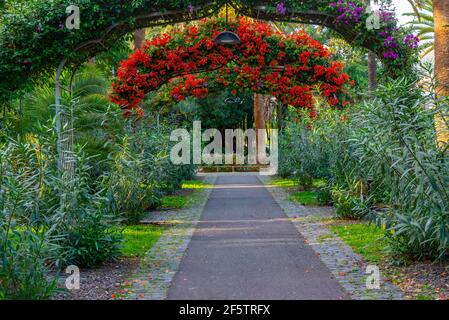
column 152, row 279
column 347, row 267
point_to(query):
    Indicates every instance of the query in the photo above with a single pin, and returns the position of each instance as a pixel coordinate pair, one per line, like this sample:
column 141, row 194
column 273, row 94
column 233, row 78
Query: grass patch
column 283, row 182
column 195, row 184
column 180, row 201
column 294, row 183
column 138, row 239
column 365, row 239
column 174, row 202
column 307, row 198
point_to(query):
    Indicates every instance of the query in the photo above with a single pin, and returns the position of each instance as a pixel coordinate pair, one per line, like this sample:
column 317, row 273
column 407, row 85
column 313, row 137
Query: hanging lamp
column 227, row 37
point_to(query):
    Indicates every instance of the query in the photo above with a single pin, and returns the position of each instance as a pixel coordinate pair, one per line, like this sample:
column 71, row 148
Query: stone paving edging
column 153, row 278
column 347, row 267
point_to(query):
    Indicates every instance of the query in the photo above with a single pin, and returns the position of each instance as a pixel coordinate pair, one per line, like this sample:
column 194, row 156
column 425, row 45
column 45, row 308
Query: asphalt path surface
column 245, row 247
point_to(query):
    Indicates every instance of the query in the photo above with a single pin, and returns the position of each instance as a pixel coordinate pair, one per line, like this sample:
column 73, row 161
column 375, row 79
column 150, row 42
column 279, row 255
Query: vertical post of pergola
column 59, row 114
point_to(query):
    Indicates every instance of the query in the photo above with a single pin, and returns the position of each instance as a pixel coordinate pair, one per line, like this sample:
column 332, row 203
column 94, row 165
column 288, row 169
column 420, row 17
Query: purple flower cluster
column 390, row 43
column 389, row 23
column 280, row 8
column 411, row 41
column 387, row 16
column 391, row 55
column 349, row 12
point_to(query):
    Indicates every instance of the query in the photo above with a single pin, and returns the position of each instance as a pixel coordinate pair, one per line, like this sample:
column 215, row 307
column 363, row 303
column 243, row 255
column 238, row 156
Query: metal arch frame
column 153, row 19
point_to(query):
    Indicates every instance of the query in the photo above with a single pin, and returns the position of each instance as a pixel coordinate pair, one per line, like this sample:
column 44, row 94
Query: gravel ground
column 101, row 283
column 421, row 280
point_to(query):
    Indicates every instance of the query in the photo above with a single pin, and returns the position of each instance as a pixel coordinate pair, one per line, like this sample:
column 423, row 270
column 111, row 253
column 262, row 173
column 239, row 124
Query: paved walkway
column 245, row 247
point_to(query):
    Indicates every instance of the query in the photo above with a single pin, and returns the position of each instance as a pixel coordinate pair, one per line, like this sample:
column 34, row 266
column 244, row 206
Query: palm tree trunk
column 441, row 17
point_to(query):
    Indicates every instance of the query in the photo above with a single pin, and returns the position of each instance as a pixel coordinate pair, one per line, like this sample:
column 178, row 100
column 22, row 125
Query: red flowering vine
column 292, row 68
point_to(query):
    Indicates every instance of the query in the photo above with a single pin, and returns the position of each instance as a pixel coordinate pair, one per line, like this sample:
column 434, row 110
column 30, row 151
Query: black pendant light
column 227, row 37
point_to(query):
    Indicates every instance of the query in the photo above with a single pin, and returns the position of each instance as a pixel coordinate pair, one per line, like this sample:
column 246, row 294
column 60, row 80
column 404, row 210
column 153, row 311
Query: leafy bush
column 91, row 230
column 142, row 173
column 396, row 141
column 385, row 162
column 26, row 246
column 324, row 195
column 349, row 206
column 312, row 147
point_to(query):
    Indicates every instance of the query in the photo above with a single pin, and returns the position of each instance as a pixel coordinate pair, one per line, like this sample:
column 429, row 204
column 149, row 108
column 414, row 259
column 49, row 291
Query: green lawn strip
column 307, row 198
column 292, row 183
column 365, row 239
column 284, row 182
column 174, row 202
column 195, row 184
column 138, row 239
column 180, row 201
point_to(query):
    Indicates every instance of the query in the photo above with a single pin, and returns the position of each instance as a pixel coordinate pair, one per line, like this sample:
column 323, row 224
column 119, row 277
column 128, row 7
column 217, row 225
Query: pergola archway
column 35, row 40
column 291, row 68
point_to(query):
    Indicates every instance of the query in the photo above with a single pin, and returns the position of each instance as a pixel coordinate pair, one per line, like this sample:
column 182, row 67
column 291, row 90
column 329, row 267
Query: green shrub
column 324, row 195
column 90, row 228
column 349, row 206
column 385, row 155
column 27, row 245
column 24, row 273
column 396, row 140
column 92, row 238
column 142, row 173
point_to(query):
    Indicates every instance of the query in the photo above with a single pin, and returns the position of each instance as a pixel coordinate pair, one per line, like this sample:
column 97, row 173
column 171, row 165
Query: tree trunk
column 372, row 67
column 372, row 72
column 139, row 38
column 259, row 120
column 441, row 17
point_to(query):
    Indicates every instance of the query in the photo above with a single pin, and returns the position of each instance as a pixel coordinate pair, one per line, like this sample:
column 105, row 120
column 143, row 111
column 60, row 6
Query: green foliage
column 397, row 144
column 384, row 163
column 309, row 148
column 348, row 205
column 223, row 110
column 91, row 231
column 142, row 173
column 26, row 243
column 324, row 195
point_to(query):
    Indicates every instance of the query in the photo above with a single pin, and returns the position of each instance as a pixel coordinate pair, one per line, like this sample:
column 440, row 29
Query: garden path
column 245, row 247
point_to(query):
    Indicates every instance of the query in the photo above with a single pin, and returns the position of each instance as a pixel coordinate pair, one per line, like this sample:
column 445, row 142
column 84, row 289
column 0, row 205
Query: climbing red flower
column 260, row 63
